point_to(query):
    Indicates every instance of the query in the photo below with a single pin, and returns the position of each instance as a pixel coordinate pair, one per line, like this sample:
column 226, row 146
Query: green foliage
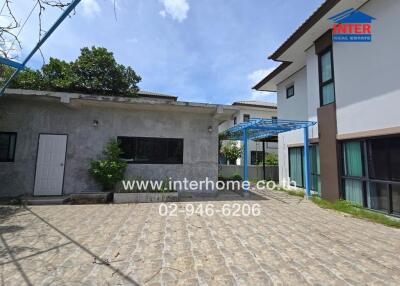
column 58, row 75
column 271, row 159
column 290, row 192
column 235, row 177
column 94, row 71
column 356, row 211
column 28, row 78
column 165, row 187
column 231, row 151
column 109, row 170
column 98, row 71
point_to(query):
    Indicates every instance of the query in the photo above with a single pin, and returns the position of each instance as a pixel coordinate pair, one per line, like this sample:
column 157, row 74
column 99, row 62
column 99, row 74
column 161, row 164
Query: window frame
column 302, row 165
column 15, row 145
column 244, row 116
column 366, row 178
column 256, row 156
column 332, row 80
column 234, row 120
column 133, row 161
column 291, row 87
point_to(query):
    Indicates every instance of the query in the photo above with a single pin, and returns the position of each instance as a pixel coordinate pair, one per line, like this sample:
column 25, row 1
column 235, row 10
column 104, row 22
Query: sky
column 210, row 51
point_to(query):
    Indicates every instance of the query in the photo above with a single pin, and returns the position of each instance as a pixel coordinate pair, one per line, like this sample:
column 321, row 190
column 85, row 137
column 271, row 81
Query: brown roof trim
column 254, row 105
column 148, row 94
column 174, row 98
column 270, row 76
column 311, row 21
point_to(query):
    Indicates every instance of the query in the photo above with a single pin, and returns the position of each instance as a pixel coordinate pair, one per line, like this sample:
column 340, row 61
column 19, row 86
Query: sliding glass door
column 315, row 169
column 353, row 171
column 296, row 167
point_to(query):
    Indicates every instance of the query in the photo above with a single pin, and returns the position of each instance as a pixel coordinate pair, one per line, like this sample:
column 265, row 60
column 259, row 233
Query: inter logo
column 352, row 26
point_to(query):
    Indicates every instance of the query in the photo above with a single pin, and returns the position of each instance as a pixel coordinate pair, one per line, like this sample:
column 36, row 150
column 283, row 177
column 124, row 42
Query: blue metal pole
column 245, row 165
column 41, row 42
column 307, row 163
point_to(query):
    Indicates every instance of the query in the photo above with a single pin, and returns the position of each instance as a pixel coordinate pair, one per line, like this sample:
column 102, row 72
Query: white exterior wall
column 367, row 87
column 367, row 74
column 293, row 108
column 302, row 106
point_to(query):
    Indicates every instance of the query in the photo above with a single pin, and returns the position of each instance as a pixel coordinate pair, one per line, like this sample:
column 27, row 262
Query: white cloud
column 254, row 78
column 91, row 8
column 258, row 75
column 177, row 9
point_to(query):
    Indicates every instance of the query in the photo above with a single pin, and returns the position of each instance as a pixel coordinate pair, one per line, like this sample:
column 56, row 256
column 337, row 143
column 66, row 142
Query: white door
column 50, row 165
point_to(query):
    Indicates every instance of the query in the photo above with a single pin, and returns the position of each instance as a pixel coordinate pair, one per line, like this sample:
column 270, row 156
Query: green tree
column 58, row 75
column 98, row 71
column 27, row 79
column 231, row 151
column 109, row 170
column 94, row 71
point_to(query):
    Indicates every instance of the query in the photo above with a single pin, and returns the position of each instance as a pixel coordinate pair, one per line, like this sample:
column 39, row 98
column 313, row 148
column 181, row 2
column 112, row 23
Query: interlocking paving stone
column 292, row 242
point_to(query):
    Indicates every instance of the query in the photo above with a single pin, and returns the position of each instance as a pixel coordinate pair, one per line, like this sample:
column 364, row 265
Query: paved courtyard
column 291, row 242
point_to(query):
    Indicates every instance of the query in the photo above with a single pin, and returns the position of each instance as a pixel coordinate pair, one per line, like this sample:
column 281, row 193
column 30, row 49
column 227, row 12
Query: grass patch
column 290, row 192
column 356, row 211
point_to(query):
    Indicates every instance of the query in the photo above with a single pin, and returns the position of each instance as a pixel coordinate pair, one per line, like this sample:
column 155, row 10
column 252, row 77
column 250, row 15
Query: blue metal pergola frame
column 20, row 66
column 261, row 128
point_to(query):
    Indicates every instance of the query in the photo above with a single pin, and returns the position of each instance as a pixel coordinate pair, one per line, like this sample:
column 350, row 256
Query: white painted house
column 245, row 111
column 352, row 90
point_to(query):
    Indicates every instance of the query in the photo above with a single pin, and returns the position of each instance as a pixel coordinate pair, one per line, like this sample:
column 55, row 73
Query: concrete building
column 351, row 90
column 245, row 111
column 47, row 139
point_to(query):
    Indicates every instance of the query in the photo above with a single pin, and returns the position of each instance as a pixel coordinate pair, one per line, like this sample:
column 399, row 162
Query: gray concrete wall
column 30, row 117
column 255, row 172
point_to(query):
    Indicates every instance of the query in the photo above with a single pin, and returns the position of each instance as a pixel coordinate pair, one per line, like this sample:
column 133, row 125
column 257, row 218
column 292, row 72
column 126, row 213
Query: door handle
column 62, row 164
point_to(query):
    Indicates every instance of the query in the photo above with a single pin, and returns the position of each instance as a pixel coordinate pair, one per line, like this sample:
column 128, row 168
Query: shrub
column 109, row 170
column 235, row 177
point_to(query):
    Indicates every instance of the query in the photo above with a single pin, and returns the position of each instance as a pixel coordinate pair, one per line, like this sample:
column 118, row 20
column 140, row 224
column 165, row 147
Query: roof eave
column 311, row 21
column 270, row 76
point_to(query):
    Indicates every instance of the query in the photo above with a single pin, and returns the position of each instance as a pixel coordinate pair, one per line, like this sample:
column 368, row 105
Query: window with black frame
column 371, row 173
column 256, row 157
column 147, row 150
column 290, row 91
column 384, row 171
column 353, row 172
column 8, row 141
column 326, row 77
